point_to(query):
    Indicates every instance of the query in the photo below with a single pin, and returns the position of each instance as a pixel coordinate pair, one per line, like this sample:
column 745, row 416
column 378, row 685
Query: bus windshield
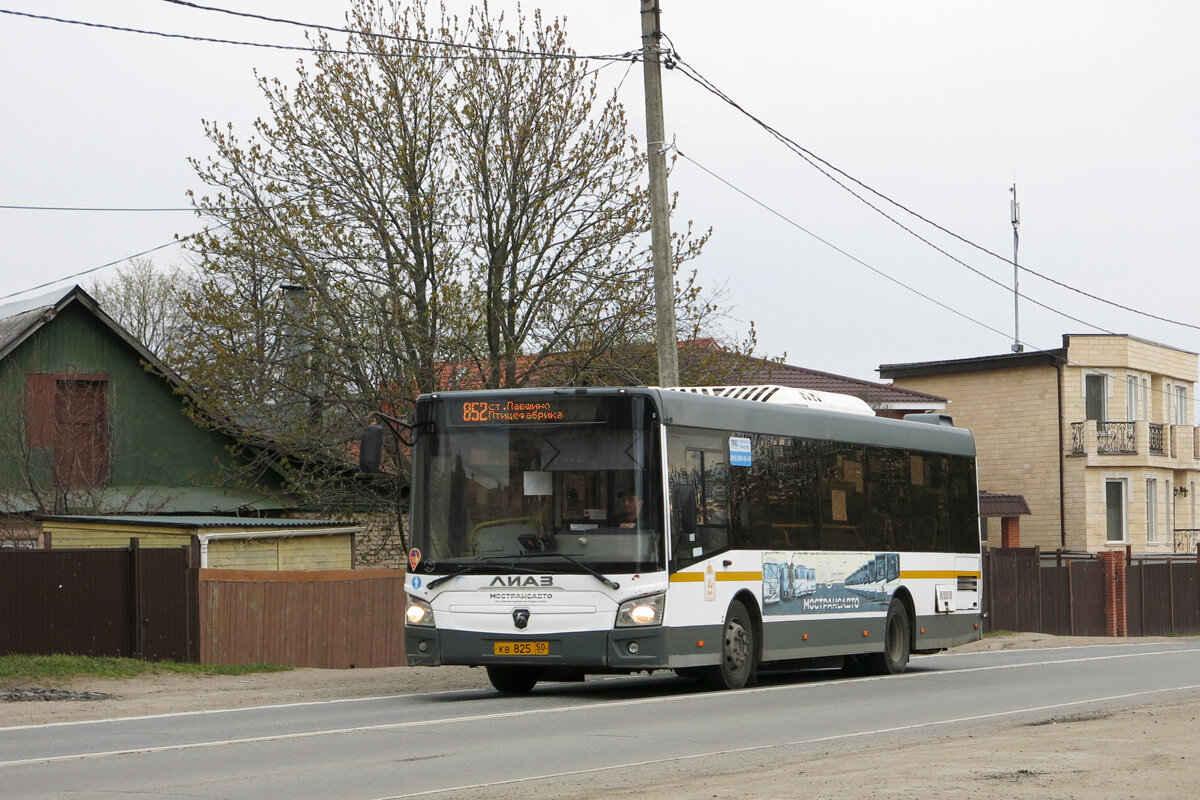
column 544, row 483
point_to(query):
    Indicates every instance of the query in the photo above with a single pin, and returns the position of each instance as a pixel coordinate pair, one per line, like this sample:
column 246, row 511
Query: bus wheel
column 512, row 680
column 738, row 651
column 896, row 641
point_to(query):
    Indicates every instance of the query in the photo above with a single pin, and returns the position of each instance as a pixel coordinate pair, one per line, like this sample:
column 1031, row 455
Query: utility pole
column 660, row 210
column 1017, row 347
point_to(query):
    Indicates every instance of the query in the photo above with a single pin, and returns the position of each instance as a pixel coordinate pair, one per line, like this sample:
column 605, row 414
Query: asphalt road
column 459, row 743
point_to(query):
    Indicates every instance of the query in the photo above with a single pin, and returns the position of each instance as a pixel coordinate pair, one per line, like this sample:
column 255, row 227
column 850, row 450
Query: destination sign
column 517, row 411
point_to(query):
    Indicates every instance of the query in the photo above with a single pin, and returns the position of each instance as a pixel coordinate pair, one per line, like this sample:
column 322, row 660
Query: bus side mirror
column 683, row 501
column 370, row 449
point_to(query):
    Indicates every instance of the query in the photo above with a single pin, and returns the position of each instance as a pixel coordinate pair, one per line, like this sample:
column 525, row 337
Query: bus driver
column 631, row 514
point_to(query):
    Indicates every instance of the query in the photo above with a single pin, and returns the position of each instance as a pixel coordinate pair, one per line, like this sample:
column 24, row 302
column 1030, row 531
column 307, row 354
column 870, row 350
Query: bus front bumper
column 616, row 650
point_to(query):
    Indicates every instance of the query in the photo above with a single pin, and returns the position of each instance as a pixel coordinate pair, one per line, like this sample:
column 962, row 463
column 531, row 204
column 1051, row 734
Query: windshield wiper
column 465, row 568
column 609, row 582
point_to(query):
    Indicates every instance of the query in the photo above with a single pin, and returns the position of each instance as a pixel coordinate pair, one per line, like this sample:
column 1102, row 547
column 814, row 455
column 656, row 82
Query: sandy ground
column 1142, row 752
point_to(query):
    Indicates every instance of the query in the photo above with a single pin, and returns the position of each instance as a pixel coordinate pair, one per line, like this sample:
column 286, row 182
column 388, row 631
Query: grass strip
column 26, row 667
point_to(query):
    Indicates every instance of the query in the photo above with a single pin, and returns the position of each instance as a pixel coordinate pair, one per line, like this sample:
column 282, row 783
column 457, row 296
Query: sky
column 1090, row 108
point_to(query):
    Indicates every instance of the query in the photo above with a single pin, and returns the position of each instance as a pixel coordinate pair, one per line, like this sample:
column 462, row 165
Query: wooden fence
column 124, row 602
column 151, row 604
column 325, row 618
column 1067, row 595
column 1163, row 598
column 148, row 603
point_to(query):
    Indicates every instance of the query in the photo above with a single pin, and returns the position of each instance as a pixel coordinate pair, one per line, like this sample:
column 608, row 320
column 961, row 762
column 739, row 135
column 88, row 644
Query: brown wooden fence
column 148, row 603
column 125, row 602
column 326, row 618
column 1025, row 590
column 1163, row 598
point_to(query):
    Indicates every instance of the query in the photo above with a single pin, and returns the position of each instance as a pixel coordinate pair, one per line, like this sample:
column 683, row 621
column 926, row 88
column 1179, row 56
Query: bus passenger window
column 699, row 497
column 843, row 503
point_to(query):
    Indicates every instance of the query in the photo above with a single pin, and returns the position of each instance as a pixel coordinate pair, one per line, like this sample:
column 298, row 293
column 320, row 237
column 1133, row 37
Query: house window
column 1137, row 396
column 1181, row 400
column 68, row 414
column 1114, row 503
column 1096, row 396
column 1151, row 511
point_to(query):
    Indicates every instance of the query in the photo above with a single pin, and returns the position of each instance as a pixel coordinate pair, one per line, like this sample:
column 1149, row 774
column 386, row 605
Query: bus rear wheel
column 512, row 680
column 897, row 639
column 739, row 651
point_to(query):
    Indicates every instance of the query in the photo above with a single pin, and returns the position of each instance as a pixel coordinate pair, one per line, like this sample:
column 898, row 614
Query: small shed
column 216, row 542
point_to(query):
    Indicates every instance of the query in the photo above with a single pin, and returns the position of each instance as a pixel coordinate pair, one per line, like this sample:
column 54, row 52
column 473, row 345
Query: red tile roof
column 874, row 394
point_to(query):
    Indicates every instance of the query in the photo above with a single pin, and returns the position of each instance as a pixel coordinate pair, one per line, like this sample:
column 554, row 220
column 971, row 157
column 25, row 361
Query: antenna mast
column 1017, row 347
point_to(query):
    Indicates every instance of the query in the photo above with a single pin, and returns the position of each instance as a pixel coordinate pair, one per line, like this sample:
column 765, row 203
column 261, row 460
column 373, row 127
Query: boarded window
column 39, row 410
column 81, row 433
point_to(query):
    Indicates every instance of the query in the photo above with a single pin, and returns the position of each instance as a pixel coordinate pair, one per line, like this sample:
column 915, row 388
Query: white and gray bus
column 563, row 532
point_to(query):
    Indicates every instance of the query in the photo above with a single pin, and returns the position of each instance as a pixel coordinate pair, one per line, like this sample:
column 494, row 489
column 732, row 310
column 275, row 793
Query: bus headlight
column 418, row 612
column 641, row 611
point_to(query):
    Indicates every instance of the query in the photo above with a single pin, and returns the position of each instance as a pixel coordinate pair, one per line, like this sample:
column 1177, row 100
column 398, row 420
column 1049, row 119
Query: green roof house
column 91, row 422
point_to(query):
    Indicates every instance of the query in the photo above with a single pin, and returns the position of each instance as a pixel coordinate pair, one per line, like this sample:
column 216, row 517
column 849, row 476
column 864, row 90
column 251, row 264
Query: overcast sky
column 1089, row 107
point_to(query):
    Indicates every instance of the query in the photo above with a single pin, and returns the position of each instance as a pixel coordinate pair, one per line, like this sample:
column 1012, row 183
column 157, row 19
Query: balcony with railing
column 1157, row 439
column 1132, row 438
column 1116, row 438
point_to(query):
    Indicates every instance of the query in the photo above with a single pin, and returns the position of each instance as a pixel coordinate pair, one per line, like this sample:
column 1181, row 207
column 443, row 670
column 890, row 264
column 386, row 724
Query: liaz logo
column 527, row 580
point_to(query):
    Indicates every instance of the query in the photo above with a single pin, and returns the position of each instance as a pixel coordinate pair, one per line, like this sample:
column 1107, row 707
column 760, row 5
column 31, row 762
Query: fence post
column 1171, row 593
column 1115, row 588
column 135, row 597
column 986, row 578
column 1070, row 593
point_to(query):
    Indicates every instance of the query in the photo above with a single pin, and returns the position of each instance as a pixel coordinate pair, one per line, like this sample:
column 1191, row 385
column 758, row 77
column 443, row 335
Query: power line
column 81, row 273
column 836, row 248
column 983, row 275
column 897, row 281
column 89, row 208
column 522, row 55
column 508, row 51
column 826, row 168
column 177, row 240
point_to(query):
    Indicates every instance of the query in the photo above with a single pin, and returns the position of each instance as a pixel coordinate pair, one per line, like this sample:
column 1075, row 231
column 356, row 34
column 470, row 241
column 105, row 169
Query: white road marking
column 600, row 706
column 762, row 747
column 239, row 709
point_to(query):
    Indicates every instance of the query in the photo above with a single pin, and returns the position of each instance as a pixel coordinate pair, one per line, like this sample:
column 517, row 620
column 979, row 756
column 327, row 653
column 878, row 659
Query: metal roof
column 198, row 521
column 974, row 364
column 20, row 320
column 1006, row 360
column 163, row 500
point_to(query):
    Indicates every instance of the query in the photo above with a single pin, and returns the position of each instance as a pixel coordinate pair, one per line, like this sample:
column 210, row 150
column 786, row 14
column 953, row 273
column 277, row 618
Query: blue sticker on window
column 739, row 451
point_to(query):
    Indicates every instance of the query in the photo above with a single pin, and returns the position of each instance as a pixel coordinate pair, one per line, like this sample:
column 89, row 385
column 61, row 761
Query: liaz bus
column 561, row 532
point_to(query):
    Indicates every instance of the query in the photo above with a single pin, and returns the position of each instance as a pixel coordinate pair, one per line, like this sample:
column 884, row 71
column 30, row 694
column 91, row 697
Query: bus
column 557, row 533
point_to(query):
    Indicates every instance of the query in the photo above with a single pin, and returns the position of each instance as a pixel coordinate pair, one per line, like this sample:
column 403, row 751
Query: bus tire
column 739, row 651
column 512, row 680
column 897, row 641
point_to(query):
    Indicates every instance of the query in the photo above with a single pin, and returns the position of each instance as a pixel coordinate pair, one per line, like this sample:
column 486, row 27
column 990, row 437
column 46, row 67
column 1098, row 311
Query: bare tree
column 145, row 301
column 438, row 214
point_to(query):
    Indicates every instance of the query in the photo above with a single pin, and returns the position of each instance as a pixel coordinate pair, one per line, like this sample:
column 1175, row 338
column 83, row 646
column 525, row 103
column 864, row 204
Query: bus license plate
column 521, row 648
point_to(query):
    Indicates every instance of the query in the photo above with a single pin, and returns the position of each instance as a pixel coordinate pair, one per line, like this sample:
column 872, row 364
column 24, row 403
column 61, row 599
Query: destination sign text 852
column 510, row 411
